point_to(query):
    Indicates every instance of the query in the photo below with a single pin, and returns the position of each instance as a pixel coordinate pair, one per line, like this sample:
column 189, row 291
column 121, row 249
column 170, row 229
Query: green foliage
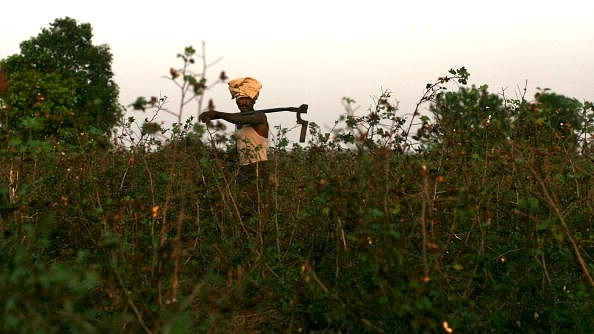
column 473, row 233
column 60, row 85
column 465, row 118
column 472, row 121
column 383, row 127
column 550, row 120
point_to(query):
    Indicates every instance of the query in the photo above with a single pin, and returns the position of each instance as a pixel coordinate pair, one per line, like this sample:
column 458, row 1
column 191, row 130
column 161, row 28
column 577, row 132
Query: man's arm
column 253, row 117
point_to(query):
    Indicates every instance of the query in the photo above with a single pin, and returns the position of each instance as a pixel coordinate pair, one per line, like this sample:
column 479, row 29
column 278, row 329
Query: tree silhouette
column 60, row 86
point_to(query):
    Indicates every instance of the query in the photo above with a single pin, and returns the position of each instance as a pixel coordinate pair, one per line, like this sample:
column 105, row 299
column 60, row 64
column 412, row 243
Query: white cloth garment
column 250, row 145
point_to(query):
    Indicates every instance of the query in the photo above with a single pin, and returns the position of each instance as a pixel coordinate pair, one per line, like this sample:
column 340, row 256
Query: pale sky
column 317, row 52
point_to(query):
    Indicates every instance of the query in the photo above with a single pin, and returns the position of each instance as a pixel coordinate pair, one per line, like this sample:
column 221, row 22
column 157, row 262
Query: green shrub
column 479, row 235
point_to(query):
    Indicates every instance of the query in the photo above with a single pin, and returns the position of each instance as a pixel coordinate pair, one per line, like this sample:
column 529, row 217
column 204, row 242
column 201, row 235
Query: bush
column 493, row 236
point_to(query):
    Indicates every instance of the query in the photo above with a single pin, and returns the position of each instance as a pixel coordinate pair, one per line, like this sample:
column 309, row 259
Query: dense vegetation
column 61, row 87
column 477, row 220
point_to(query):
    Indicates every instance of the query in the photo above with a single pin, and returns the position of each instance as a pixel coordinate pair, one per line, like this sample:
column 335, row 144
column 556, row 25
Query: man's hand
column 207, row 116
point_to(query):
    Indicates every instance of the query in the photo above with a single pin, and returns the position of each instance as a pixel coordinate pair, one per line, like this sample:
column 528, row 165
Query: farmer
column 251, row 138
column 251, row 135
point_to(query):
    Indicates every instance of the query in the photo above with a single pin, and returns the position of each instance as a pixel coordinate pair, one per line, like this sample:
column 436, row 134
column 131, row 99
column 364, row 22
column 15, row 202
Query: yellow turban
column 245, row 87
